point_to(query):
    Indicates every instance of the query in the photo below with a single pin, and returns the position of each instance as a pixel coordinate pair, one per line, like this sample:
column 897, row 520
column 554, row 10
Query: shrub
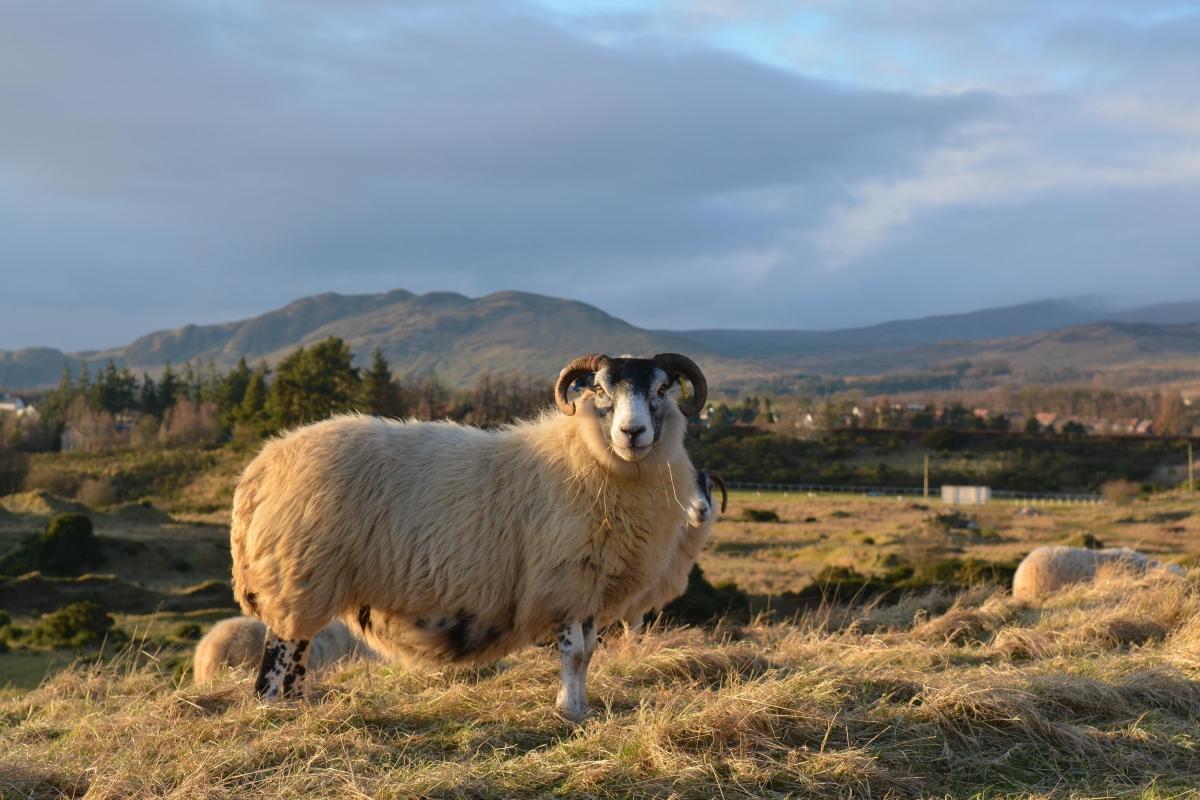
column 97, row 492
column 759, row 515
column 190, row 424
column 1120, row 492
column 13, row 467
column 67, row 547
column 959, row 574
column 1085, row 539
column 145, row 433
column 186, row 630
column 52, row 480
column 76, row 625
column 942, row 439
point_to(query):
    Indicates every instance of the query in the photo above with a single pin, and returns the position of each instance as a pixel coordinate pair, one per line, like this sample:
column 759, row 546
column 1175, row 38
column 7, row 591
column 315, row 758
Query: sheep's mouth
column 633, row 453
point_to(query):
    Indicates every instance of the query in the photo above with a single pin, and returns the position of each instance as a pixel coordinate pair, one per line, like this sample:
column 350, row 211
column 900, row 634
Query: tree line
column 199, row 405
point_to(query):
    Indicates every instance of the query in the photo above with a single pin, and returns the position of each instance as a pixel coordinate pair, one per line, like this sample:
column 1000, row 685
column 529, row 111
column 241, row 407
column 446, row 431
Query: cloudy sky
column 698, row 163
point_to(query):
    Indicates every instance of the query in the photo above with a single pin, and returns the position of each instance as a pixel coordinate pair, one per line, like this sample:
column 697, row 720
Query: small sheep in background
column 1048, row 569
column 238, row 643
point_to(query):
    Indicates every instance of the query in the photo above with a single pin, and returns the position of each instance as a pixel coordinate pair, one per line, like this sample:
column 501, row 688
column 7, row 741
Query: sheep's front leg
column 283, row 668
column 576, row 643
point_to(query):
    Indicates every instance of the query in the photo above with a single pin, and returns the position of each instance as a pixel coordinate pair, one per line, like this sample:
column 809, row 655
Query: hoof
column 576, row 714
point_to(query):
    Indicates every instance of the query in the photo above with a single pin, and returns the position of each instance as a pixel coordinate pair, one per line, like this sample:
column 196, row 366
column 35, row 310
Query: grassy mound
column 143, row 513
column 35, row 593
column 41, row 503
column 1096, row 694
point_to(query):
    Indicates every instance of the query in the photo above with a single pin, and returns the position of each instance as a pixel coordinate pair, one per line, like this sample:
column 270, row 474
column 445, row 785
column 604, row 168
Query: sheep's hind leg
column 284, row 667
column 576, row 643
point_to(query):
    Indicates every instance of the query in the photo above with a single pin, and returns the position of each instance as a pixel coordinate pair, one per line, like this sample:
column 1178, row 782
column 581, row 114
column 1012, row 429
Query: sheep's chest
column 629, row 545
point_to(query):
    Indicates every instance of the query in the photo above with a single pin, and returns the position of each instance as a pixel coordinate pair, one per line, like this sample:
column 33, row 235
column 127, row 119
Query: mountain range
column 459, row 337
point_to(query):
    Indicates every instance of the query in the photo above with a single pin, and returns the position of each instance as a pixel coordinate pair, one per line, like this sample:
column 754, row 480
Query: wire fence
column 935, row 492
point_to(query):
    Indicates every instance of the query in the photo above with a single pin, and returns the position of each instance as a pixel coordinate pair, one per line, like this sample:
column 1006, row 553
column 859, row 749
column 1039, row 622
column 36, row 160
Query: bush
column 54, row 481
column 760, row 515
column 942, row 439
column 1120, row 492
column 959, row 574
column 1085, row 539
column 14, row 466
column 67, row 547
column 190, row 424
column 76, row 625
column 837, row 584
column 189, row 631
column 6, row 630
column 97, row 492
column 145, row 433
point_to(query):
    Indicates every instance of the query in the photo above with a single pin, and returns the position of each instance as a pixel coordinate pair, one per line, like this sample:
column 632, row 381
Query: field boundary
column 935, row 492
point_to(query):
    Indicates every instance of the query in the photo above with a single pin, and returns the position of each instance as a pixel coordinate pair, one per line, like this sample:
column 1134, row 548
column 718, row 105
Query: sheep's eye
column 662, row 390
column 600, row 392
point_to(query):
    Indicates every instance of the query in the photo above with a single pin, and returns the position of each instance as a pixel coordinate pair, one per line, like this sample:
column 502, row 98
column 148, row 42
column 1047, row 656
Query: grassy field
column 943, row 693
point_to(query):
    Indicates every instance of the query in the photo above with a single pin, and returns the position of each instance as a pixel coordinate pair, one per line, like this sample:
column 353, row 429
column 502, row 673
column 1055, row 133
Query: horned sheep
column 1049, row 568
column 237, row 643
column 449, row 544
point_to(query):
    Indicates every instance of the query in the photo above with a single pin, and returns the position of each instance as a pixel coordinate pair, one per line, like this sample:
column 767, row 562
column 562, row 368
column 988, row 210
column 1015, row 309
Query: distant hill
column 459, row 337
column 455, row 336
column 991, row 323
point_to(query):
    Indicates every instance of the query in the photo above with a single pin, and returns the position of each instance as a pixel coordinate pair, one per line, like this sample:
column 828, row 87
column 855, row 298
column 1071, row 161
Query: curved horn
column 584, row 365
column 719, row 482
column 676, row 365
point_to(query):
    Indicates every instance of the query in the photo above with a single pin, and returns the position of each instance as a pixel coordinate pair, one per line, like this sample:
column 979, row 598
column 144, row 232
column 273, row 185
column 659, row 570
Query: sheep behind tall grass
column 1048, row 569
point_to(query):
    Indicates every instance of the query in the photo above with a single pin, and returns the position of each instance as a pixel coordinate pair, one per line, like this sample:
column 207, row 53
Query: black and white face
column 705, row 485
column 630, row 399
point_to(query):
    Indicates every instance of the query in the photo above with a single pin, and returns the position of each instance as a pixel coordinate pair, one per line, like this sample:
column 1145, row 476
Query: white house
column 10, row 404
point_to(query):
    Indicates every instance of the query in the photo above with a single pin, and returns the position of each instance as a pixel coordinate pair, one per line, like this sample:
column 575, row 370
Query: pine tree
column 313, row 383
column 379, row 394
column 232, row 392
column 149, row 400
column 252, row 411
column 168, row 388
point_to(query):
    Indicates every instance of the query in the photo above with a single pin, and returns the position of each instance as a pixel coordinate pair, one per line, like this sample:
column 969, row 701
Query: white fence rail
column 935, row 492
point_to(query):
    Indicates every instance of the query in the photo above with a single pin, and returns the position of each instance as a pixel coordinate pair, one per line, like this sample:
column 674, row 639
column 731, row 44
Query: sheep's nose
column 633, row 433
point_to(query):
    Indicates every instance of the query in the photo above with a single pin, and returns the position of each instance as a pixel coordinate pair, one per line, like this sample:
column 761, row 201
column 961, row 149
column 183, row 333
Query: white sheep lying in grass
column 238, row 642
column 1048, row 569
column 451, row 544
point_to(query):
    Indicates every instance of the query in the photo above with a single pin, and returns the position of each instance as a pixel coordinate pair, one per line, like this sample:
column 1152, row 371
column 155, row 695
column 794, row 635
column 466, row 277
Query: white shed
column 966, row 495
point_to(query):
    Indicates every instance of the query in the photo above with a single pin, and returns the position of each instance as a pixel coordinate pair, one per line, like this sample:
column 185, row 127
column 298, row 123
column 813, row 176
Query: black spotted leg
column 283, row 670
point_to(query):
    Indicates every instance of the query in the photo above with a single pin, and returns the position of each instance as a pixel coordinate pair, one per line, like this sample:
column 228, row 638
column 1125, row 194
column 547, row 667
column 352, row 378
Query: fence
column 935, row 492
